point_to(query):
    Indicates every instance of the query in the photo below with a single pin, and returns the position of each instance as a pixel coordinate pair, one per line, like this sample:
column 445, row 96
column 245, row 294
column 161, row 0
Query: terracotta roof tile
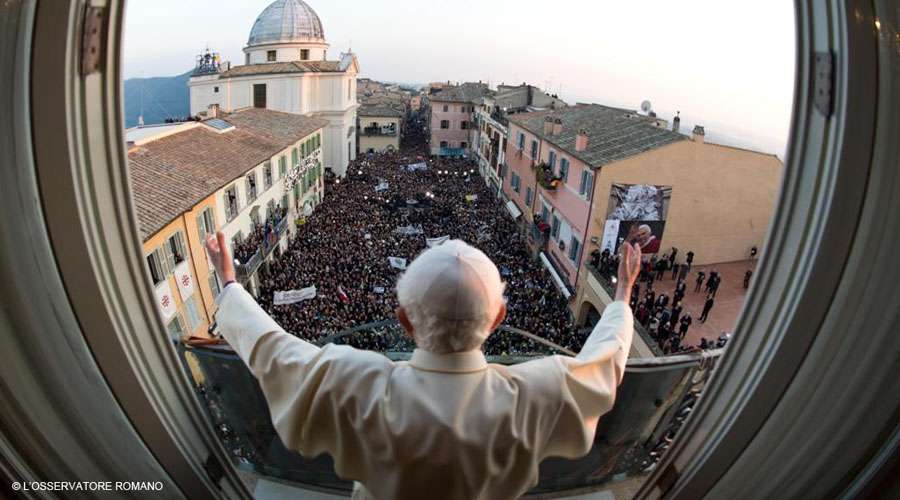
column 613, row 134
column 172, row 174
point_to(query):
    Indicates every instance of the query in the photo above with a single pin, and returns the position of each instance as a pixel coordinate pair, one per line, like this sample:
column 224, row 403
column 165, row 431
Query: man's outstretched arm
column 590, row 380
column 291, row 372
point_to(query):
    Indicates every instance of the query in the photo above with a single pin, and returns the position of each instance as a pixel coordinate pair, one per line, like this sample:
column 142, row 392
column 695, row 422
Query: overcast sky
column 725, row 64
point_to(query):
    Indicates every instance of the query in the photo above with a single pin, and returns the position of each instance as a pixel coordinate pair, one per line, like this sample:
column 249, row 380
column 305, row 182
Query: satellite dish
column 646, row 106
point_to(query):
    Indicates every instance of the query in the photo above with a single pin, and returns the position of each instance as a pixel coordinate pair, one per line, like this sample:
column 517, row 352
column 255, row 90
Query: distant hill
column 163, row 97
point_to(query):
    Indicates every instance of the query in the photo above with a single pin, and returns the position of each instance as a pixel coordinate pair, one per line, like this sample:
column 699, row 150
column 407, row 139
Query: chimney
column 699, row 134
column 581, row 140
column 676, row 122
column 557, row 126
column 212, row 111
column 548, row 125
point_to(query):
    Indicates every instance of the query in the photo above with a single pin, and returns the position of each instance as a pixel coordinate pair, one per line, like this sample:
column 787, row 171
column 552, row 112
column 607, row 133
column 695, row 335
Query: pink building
column 553, row 159
column 453, row 116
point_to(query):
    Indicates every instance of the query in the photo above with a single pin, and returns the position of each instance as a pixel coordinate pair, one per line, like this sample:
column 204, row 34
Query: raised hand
column 220, row 257
column 629, row 268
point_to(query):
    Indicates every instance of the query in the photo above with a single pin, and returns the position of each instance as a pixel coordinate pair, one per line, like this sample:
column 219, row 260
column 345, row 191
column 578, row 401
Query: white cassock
column 438, row 426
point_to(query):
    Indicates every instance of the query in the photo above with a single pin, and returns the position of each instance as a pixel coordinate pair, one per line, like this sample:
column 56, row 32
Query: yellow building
column 185, row 286
column 235, row 174
column 380, row 127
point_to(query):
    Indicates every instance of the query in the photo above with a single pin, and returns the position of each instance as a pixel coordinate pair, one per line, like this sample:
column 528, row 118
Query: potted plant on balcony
column 545, row 177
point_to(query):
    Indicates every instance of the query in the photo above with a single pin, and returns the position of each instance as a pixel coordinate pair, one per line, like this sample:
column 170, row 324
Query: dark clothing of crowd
column 343, row 247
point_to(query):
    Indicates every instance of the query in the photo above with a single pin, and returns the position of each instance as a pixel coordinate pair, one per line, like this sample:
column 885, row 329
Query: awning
column 559, row 282
column 513, row 209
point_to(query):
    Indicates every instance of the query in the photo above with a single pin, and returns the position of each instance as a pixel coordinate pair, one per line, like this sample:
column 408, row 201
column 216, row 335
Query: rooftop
column 467, row 92
column 284, row 67
column 379, row 110
column 613, row 134
column 172, row 174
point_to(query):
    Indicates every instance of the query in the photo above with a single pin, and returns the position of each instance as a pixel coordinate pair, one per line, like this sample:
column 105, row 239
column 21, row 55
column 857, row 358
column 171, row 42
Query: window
column 214, row 284
column 464, row 125
column 445, row 108
column 304, row 54
column 270, row 208
column 564, row 170
column 267, row 175
column 552, row 161
column 554, row 227
column 176, row 250
column 587, row 184
column 574, row 248
column 156, row 263
column 516, row 182
column 175, row 328
column 259, row 95
column 251, row 187
column 295, row 158
column 231, row 203
column 215, row 90
column 463, row 144
column 520, row 141
column 282, row 166
column 443, row 144
column 445, row 124
column 206, row 223
column 270, row 55
column 193, row 315
column 545, row 212
column 529, row 195
column 236, row 241
column 534, row 150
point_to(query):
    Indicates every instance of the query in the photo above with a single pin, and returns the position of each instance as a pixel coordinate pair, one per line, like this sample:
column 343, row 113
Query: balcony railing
column 380, row 131
column 265, row 247
column 452, row 152
column 654, row 399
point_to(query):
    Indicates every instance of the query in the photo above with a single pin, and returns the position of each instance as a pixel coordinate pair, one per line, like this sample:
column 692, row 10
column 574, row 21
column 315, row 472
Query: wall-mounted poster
column 639, row 210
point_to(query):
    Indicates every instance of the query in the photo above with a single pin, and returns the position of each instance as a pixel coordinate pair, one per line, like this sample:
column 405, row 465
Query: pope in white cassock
column 445, row 424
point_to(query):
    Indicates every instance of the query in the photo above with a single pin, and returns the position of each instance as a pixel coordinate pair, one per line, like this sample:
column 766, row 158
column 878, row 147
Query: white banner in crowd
column 378, row 289
column 185, row 280
column 382, row 186
column 410, row 230
column 165, row 301
column 397, row 262
column 417, row 166
column 292, row 296
column 433, row 242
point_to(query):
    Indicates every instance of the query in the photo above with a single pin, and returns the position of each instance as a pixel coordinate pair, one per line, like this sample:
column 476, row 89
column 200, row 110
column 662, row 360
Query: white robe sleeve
column 584, row 387
column 315, row 395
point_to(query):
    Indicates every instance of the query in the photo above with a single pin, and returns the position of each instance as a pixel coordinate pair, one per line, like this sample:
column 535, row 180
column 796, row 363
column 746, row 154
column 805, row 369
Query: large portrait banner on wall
column 638, row 210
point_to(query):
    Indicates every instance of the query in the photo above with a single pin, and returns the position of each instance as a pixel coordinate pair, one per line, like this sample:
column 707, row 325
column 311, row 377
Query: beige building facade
column 380, row 128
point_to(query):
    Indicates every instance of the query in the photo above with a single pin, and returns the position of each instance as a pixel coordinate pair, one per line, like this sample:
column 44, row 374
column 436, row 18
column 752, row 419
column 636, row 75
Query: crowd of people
column 384, row 209
column 663, row 316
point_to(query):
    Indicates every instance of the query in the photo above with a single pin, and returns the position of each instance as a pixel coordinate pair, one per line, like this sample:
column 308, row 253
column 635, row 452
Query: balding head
column 451, row 298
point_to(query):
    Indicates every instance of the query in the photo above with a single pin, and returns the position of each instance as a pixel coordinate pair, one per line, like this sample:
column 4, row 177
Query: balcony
column 452, row 152
column 258, row 246
column 380, row 131
column 546, row 177
column 654, row 399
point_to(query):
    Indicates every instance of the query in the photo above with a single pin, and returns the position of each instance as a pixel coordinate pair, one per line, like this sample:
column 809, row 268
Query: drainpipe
column 586, row 227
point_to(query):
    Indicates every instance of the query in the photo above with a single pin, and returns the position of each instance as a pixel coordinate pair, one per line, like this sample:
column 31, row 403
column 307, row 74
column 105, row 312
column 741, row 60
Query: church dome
column 287, row 21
